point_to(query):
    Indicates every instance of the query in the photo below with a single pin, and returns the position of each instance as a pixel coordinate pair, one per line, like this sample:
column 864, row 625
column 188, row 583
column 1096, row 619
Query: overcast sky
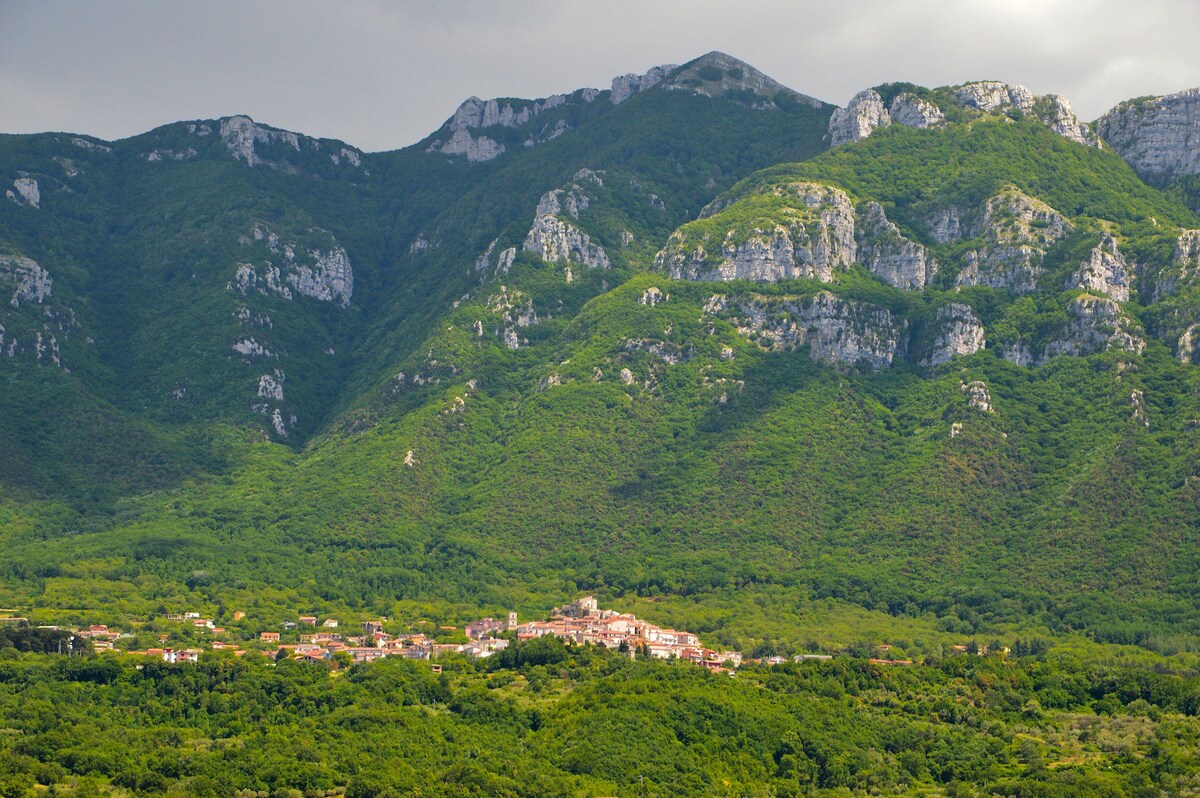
column 381, row 75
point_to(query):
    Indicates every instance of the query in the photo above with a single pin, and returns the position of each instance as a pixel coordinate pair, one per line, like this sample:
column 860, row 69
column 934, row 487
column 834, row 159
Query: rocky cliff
column 1158, row 136
column 482, row 130
column 811, row 236
column 958, row 332
column 1016, row 230
column 887, row 254
column 1104, row 272
column 836, row 331
column 866, row 112
column 552, row 238
column 321, row 272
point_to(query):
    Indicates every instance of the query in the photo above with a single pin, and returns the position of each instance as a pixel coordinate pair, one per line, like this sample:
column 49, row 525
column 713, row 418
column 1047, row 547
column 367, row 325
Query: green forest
column 546, row 718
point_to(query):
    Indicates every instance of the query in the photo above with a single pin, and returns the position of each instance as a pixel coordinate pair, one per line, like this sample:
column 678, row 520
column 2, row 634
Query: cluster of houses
column 374, row 643
column 581, row 621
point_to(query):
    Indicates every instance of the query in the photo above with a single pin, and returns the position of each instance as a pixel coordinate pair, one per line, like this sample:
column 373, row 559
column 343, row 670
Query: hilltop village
column 312, row 639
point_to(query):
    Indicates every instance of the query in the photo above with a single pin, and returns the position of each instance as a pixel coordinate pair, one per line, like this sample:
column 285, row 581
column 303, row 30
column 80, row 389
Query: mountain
column 907, row 390
column 696, row 336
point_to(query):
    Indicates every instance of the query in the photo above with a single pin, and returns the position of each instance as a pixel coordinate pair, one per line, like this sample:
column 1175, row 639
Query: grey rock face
column 890, row 256
column 1184, row 268
column 1097, row 324
column 959, row 332
column 837, row 332
column 672, row 354
column 46, row 350
column 993, row 95
column 557, row 241
column 171, row 155
column 250, row 348
column 31, row 283
column 1052, row 109
column 861, row 117
column 1018, row 353
column 653, row 297
column 1186, row 349
column 270, row 386
column 1159, row 137
column 911, row 111
column 325, row 276
column 978, row 396
column 816, row 241
column 240, row 134
column 514, row 310
column 554, row 239
column 91, row 146
column 1056, row 113
column 625, row 86
column 476, row 114
column 1017, row 229
column 328, row 279
column 865, row 113
column 1104, row 272
column 476, row 148
column 27, row 192
column 945, row 226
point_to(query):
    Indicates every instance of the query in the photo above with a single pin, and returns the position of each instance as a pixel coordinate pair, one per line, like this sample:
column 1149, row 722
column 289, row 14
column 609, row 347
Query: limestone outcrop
column 887, row 254
column 30, row 282
column 1052, row 109
column 866, row 112
column 958, row 332
column 557, row 241
column 553, row 238
column 1159, row 136
column 26, row 192
column 1104, row 272
column 324, row 273
column 994, row 95
column 241, row 134
column 837, row 331
column 1016, row 229
column 1056, row 113
column 328, row 278
column 812, row 237
column 911, row 111
column 1097, row 324
column 1184, row 266
column 460, row 134
column 625, row 86
column 861, row 117
column 978, row 396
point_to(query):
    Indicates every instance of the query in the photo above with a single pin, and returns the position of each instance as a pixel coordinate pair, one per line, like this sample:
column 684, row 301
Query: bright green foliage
column 585, row 722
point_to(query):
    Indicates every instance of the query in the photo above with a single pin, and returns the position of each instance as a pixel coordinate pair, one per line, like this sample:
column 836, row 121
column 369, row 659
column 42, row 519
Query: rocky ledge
column 837, row 332
column 866, row 112
column 1158, row 136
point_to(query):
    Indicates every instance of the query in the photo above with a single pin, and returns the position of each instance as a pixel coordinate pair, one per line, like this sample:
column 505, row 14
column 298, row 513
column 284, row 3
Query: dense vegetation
column 555, row 720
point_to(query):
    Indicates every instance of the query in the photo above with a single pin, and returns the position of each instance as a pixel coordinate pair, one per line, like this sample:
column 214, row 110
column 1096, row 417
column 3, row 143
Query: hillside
column 895, row 408
column 944, row 371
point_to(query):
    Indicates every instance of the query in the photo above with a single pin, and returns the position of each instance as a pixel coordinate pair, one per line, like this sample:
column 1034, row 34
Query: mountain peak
column 715, row 74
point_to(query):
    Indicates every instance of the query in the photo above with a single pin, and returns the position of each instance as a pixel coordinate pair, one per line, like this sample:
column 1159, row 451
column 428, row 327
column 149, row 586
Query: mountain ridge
column 682, row 347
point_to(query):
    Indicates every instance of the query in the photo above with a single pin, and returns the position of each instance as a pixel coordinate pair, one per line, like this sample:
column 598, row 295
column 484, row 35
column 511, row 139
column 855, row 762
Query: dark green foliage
column 598, row 724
